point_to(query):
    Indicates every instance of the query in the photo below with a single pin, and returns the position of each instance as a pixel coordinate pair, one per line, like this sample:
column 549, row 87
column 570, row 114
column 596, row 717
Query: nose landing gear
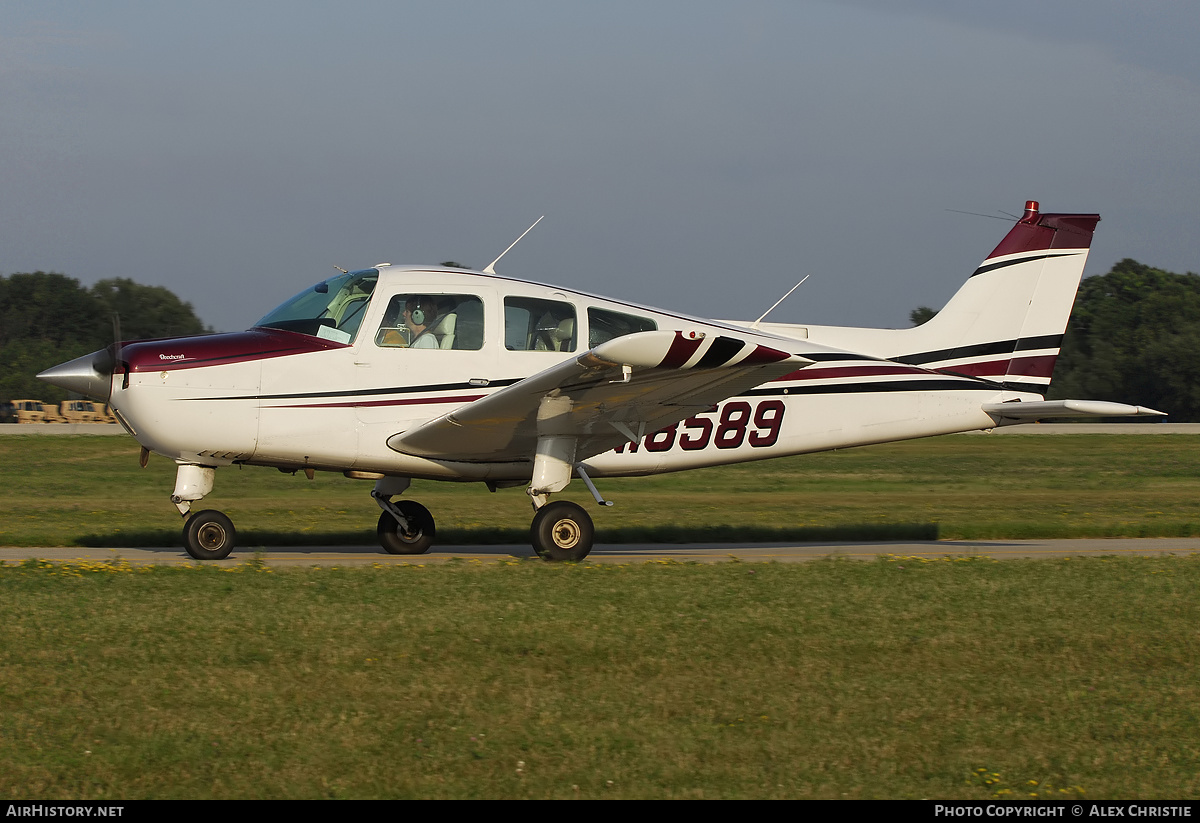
column 209, row 535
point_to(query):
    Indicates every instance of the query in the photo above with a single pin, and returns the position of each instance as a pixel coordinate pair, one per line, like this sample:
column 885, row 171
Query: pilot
column 420, row 315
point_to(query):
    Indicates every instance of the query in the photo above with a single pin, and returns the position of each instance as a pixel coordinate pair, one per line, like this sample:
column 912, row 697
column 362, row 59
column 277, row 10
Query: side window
column 531, row 324
column 432, row 321
column 605, row 325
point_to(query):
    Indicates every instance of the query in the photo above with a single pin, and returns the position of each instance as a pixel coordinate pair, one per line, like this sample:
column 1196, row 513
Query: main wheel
column 562, row 530
column 416, row 539
column 209, row 535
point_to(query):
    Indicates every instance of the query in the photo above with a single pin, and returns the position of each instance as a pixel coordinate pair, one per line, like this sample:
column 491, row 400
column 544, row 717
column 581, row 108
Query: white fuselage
column 334, row 404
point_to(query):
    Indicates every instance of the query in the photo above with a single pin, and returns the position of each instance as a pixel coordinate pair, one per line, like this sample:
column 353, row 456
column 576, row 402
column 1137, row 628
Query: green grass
column 898, row 678
column 62, row 491
column 838, row 679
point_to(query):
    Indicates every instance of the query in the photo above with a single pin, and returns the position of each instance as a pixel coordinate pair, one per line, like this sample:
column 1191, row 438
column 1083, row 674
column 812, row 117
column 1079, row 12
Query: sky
column 697, row 156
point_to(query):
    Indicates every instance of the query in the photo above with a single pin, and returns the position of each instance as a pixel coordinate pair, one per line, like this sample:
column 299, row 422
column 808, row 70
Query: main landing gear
column 412, row 536
column 405, row 526
column 562, row 530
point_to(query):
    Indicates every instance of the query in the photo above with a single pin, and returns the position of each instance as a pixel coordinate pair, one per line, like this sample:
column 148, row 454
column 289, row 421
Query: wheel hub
column 566, row 534
column 211, row 536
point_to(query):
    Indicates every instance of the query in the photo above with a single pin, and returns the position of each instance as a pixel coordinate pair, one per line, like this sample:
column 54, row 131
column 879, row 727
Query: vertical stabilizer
column 1006, row 323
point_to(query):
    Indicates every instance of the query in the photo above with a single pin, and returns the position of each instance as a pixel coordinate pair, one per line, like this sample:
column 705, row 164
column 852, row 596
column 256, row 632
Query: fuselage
column 327, row 378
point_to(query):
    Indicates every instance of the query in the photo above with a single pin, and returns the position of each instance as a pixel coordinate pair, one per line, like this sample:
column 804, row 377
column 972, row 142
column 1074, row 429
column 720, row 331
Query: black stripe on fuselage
column 877, row 386
column 984, row 269
column 835, row 356
column 1046, row 341
column 1032, row 388
column 367, row 392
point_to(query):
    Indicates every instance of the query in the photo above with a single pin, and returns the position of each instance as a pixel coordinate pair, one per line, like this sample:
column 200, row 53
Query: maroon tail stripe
column 1050, row 231
column 1038, row 366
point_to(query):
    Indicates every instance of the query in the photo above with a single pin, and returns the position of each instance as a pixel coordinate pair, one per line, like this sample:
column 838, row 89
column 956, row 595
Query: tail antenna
column 491, row 269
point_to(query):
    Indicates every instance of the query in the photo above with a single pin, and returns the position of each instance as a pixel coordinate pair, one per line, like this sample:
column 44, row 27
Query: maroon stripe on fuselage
column 175, row 353
column 850, row 371
column 404, row 401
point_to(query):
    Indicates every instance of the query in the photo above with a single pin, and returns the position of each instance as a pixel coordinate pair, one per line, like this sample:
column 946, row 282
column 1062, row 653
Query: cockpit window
column 333, row 309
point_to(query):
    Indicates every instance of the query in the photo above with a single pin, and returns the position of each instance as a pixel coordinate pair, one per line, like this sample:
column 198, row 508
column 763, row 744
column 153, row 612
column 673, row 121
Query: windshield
column 332, row 309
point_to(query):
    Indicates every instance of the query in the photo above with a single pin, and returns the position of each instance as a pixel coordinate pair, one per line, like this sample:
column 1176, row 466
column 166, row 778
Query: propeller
column 116, row 347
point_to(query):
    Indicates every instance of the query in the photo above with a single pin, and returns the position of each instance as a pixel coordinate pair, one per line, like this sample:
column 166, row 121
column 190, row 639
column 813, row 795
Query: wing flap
column 631, row 385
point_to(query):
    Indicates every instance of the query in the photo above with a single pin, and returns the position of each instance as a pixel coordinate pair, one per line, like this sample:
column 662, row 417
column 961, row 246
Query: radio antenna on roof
column 491, row 269
column 754, row 325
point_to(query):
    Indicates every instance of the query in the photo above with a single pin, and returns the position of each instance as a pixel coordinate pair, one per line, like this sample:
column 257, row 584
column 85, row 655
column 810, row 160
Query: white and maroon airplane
column 396, row 372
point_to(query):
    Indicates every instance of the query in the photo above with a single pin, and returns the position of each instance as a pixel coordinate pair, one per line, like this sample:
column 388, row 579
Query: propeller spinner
column 90, row 375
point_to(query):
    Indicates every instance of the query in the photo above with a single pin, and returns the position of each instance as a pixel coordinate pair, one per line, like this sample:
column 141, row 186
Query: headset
column 420, row 316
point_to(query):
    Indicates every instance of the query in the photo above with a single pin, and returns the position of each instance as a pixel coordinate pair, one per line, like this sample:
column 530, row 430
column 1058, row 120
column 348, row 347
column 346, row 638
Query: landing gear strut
column 209, row 534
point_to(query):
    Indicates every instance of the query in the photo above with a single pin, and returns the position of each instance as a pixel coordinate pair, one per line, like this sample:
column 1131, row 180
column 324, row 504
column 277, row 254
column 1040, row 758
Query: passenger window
column 432, row 321
column 531, row 324
column 605, row 325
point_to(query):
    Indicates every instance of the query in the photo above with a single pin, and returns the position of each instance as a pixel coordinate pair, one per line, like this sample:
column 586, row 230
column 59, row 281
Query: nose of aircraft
column 90, row 375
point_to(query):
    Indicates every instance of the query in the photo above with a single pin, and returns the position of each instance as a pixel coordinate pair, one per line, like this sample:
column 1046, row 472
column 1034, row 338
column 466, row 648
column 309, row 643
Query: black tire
column 209, row 535
column 562, row 530
column 416, row 539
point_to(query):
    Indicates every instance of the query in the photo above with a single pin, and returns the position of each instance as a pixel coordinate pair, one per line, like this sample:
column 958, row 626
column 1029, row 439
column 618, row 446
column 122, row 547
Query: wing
column 607, row 396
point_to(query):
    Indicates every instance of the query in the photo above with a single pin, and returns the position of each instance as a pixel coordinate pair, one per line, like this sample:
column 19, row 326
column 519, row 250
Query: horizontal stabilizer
column 1040, row 409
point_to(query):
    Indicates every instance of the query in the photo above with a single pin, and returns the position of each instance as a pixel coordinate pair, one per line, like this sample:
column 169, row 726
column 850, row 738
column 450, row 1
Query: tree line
column 1133, row 337
column 48, row 318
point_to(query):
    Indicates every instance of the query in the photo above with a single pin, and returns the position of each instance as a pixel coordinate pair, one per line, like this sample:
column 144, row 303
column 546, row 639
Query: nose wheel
column 562, row 530
column 209, row 535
